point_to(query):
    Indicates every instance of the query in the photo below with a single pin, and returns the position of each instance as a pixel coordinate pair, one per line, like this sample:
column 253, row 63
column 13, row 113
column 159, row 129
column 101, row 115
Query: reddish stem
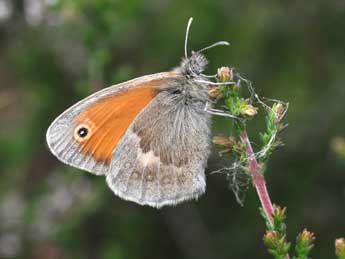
column 258, row 179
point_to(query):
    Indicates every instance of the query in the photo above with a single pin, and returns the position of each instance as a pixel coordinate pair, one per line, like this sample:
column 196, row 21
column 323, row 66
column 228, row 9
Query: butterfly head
column 193, row 65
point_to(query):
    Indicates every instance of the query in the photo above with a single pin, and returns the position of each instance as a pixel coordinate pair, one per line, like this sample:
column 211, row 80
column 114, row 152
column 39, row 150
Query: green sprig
column 304, row 244
column 275, row 237
column 274, row 125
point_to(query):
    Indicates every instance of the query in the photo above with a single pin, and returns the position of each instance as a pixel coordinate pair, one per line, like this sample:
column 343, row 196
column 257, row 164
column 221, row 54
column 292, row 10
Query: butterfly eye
column 82, row 132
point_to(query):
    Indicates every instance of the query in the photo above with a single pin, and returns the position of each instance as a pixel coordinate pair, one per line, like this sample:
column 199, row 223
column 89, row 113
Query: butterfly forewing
column 86, row 135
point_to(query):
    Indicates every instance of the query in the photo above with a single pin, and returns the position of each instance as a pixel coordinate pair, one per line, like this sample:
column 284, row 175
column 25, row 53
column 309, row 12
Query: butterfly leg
column 212, row 83
column 222, row 113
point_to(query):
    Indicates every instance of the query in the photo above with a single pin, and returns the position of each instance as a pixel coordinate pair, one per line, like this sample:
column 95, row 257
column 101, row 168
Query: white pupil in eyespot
column 82, row 132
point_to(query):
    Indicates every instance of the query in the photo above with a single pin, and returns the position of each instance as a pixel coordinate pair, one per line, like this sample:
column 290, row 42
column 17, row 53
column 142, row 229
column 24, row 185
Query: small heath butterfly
column 150, row 136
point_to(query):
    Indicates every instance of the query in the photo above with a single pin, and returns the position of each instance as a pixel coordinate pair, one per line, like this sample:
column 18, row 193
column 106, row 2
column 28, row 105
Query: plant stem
column 257, row 177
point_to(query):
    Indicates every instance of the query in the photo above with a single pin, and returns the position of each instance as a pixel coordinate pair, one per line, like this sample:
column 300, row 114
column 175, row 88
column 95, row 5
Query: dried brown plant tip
column 270, row 238
column 280, row 112
column 306, row 236
column 304, row 243
column 214, row 92
column 228, row 143
column 224, row 141
column 249, row 110
column 279, row 213
column 224, row 74
column 276, row 244
column 340, row 248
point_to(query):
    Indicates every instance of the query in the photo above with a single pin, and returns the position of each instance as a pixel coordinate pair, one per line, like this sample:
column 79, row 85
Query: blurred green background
column 55, row 52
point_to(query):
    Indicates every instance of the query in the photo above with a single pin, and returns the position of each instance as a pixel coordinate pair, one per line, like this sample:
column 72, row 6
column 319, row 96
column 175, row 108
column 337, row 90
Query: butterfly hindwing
column 161, row 159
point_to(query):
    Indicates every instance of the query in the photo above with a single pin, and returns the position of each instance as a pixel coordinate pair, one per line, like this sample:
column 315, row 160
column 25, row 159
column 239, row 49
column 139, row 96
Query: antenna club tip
column 190, row 20
column 186, row 38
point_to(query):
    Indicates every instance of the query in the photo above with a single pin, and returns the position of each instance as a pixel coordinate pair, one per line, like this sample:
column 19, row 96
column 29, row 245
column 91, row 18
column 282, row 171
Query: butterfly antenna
column 186, row 38
column 219, row 43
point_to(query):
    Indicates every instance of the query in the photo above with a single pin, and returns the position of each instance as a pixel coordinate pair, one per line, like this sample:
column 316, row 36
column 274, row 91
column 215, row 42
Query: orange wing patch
column 100, row 127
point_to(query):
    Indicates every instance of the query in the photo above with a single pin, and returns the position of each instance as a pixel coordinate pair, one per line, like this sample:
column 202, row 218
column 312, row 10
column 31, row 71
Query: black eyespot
column 82, row 132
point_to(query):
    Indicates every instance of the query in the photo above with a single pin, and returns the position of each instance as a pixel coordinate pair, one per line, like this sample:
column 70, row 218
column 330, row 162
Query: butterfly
column 150, row 136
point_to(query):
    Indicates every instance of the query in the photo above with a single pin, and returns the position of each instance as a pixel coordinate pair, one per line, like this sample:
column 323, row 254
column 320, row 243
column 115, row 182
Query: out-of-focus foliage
column 54, row 52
